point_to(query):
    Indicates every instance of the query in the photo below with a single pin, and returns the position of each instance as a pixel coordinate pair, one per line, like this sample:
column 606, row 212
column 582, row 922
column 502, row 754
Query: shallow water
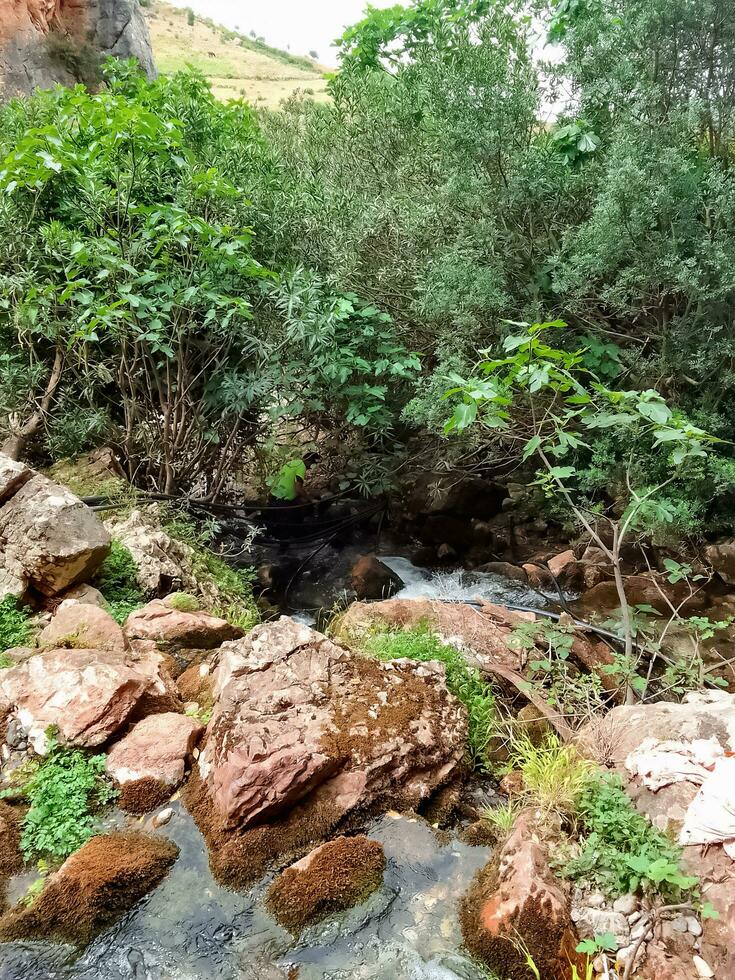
column 190, row 928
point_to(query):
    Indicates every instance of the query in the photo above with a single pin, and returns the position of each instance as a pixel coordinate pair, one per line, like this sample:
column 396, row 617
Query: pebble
column 640, row 930
column 625, row 954
column 703, row 968
column 680, row 924
column 693, row 925
column 595, row 901
column 162, row 818
column 627, row 904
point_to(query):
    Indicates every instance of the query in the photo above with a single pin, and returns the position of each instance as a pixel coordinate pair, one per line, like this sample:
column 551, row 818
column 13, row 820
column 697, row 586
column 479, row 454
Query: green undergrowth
column 63, row 790
column 621, row 851
column 117, row 580
column 554, row 775
column 15, row 629
column 234, row 586
column 466, row 684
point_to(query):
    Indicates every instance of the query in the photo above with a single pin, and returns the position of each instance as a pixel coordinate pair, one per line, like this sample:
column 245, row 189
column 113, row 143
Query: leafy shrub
column 63, row 791
column 464, row 682
column 117, row 580
column 621, row 851
column 15, row 628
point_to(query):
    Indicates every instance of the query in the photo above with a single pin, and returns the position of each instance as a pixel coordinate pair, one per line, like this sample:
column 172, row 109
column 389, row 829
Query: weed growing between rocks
column 621, row 852
column 463, row 682
column 117, row 580
column 63, row 791
column 555, row 776
column 15, row 630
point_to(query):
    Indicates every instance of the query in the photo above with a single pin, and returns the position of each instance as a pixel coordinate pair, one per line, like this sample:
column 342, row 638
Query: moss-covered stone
column 332, row 877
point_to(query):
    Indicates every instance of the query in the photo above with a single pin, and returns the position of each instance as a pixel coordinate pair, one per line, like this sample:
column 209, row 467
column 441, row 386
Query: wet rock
column 721, row 557
column 371, row 579
column 454, row 492
column 645, row 589
column 86, row 695
column 518, row 899
column 48, row 538
column 92, row 889
column 150, row 761
column 333, row 877
column 504, row 568
column 192, row 630
column 82, row 626
column 162, row 818
column 302, row 723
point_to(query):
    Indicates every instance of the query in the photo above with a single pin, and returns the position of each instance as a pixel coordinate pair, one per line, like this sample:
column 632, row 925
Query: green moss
column 182, row 602
column 465, row 683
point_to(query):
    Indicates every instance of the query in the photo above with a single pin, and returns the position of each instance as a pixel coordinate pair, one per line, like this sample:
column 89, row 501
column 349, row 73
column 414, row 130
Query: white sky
column 296, row 25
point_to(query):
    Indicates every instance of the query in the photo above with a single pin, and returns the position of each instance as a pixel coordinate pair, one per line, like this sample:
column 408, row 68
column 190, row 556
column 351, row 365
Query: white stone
column 162, row 818
column 693, row 925
column 703, row 968
column 627, row 904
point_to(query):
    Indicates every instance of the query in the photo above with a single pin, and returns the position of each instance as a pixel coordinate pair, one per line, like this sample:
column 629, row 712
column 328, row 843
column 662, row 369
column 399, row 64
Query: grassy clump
column 463, row 681
column 233, row 586
column 183, row 602
column 63, row 791
column 15, row 629
column 554, row 775
column 117, row 580
column 621, row 851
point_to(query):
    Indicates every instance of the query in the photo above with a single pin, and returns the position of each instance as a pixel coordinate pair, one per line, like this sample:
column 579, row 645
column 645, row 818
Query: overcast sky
column 296, row 25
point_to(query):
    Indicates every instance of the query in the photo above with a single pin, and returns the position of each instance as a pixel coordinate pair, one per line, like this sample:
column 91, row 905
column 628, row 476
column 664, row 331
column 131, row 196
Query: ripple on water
column 190, row 928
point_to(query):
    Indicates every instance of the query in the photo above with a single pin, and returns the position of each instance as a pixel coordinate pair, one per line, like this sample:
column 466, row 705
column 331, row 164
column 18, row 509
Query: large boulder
column 300, row 722
column 92, row 889
column 44, row 42
column 85, row 695
column 83, row 626
column 332, row 877
column 517, row 906
column 370, row 578
column 192, row 630
column 150, row 762
column 163, row 564
column 49, row 540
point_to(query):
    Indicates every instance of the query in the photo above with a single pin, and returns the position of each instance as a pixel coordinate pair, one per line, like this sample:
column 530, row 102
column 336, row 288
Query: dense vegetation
column 214, row 291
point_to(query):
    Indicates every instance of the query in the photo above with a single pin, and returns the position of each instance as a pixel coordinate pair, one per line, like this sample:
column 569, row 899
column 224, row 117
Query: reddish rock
column 82, row 626
column 300, row 722
column 332, row 877
column 518, row 905
column 48, row 539
column 92, row 889
column 196, row 684
column 659, row 964
column 86, row 695
column 193, row 630
column 152, row 758
column 645, row 589
column 371, row 579
column 486, row 631
column 504, row 568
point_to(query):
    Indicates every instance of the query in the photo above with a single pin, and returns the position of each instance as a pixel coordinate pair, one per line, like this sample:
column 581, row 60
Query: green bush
column 464, row 682
column 15, row 630
column 621, row 851
column 63, row 791
column 117, row 580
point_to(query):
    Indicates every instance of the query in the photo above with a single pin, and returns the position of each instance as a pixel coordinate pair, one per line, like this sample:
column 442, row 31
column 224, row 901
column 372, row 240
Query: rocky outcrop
column 304, row 733
column 192, row 630
column 44, row 42
column 92, row 889
column 517, row 907
column 150, row 762
column 82, row 625
column 49, row 540
column 164, row 564
column 333, row 877
column 85, row 695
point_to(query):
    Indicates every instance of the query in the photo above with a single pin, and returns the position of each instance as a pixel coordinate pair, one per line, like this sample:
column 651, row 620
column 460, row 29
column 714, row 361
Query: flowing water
column 459, row 585
column 190, row 928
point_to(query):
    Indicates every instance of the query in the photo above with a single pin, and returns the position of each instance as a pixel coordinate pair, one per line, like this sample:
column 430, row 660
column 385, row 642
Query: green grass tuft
column 117, row 580
column 15, row 629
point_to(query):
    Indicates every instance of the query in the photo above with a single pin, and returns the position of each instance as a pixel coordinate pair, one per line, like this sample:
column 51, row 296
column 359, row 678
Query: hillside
column 236, row 66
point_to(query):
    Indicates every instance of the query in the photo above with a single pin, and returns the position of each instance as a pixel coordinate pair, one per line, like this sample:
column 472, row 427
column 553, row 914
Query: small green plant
column 190, row 17
column 464, row 682
column 621, row 851
column 183, row 602
column 63, row 791
column 117, row 580
column 15, row 628
column 554, row 775
column 502, row 817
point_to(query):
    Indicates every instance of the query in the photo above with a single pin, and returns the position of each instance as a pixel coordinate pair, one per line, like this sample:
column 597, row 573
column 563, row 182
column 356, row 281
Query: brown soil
column 338, row 875
column 192, row 686
column 143, row 795
column 93, row 888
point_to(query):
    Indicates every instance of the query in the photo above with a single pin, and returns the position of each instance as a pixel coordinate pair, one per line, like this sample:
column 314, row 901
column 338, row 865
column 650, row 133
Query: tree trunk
column 16, row 443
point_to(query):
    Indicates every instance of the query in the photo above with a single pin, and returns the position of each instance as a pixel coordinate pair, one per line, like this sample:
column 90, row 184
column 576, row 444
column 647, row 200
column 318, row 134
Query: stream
column 190, row 928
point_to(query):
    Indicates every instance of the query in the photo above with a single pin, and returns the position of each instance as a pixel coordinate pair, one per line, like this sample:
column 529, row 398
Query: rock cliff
column 43, row 42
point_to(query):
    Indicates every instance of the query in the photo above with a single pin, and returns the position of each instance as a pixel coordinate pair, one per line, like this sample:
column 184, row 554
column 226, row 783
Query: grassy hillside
column 236, row 66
